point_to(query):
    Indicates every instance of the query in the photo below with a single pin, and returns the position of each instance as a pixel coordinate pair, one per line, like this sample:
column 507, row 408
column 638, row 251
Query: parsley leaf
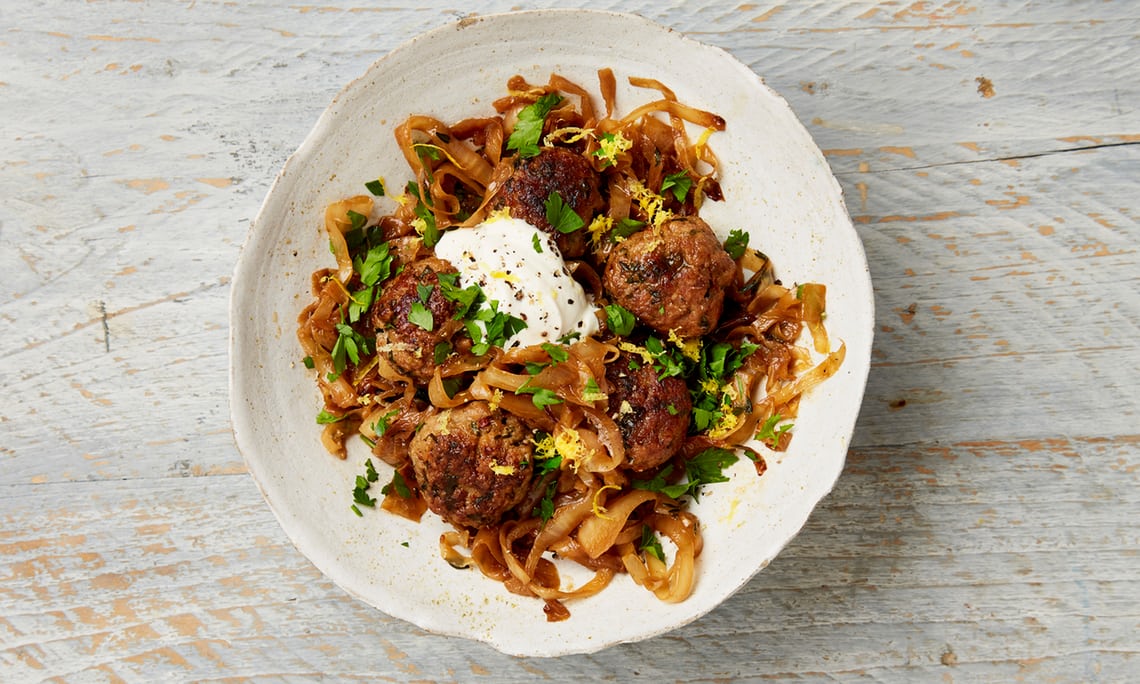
column 679, row 183
column 500, row 327
column 534, row 240
column 376, row 265
column 768, row 432
column 706, row 467
column 381, row 424
column 399, row 485
column 349, row 346
column 619, row 319
column 376, row 187
column 561, row 215
column 557, row 353
column 358, row 303
column 420, row 315
column 440, row 353
column 465, row 297
column 363, row 482
column 650, row 544
column 545, row 507
column 528, row 128
column 358, row 220
column 541, row 397
column 736, row 243
column 592, row 392
column 324, row 418
column 625, row 227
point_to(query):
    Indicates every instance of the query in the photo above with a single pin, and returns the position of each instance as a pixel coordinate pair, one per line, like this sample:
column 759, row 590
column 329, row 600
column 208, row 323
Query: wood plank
column 916, row 560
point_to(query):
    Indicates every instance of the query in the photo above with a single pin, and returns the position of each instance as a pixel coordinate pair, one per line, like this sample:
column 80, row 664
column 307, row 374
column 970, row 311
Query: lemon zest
column 598, row 509
column 502, row 469
column 599, row 227
column 609, row 147
column 690, row 348
column 635, row 349
column 567, row 134
column 569, row 445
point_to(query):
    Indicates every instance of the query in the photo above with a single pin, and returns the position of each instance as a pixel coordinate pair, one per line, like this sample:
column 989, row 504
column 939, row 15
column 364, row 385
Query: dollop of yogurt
column 520, row 267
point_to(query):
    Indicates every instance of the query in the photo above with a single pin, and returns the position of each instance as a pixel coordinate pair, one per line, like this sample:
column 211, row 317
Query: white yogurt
column 500, row 256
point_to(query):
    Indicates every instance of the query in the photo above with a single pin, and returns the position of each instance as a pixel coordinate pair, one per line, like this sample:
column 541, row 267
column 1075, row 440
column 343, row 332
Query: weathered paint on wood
column 984, row 528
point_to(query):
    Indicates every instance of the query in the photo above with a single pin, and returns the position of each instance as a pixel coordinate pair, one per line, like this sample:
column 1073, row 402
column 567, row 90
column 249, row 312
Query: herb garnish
column 561, row 215
column 419, row 315
column 363, row 482
column 398, row 485
column 376, row 187
column 771, row 434
column 706, row 467
column 736, row 243
column 325, row 418
column 619, row 319
column 528, row 128
column 541, row 397
column 679, row 183
column 650, row 544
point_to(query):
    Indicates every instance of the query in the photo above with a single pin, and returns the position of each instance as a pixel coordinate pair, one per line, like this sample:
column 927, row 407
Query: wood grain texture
column 984, row 528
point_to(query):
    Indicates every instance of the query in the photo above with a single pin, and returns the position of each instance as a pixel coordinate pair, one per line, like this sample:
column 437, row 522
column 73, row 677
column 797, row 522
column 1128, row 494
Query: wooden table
column 985, row 527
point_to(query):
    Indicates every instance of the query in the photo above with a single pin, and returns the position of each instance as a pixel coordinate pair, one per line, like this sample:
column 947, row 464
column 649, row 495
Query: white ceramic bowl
column 777, row 185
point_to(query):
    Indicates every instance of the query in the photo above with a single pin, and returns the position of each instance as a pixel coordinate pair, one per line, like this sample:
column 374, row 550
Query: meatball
column 560, row 170
column 672, row 278
column 408, row 346
column 472, row 463
column 651, row 413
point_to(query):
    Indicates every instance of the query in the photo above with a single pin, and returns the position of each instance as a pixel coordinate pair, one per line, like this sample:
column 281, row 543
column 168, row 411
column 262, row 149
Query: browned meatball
column 652, row 413
column 673, row 278
column 409, row 347
column 472, row 464
column 560, row 170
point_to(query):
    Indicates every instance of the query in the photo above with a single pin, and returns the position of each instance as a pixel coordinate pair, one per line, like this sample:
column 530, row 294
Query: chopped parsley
column 625, row 227
column 349, row 346
column 679, row 183
column 325, row 418
column 376, row 187
column 545, row 507
column 534, row 240
column 440, row 353
column 499, row 327
column 360, row 495
column 619, row 319
column 770, row 433
column 592, row 392
column 308, row 361
column 540, row 396
column 419, row 315
column 398, row 485
column 528, row 128
column 736, row 243
column 650, row 544
column 557, row 353
column 706, row 467
column 561, row 215
column 381, row 424
column 465, row 297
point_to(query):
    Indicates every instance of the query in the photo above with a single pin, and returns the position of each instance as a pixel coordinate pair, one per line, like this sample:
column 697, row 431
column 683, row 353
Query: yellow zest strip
column 599, row 510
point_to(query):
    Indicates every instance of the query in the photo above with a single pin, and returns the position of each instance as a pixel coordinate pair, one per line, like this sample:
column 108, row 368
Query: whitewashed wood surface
column 985, row 528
